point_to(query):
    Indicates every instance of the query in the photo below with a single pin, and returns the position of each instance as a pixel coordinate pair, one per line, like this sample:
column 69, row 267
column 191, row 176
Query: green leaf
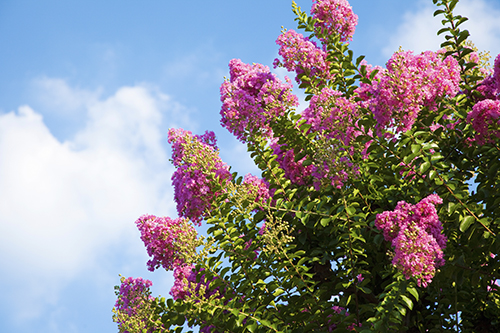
column 436, row 13
column 307, row 162
column 407, row 302
column 415, row 148
column 443, row 29
column 452, row 206
column 413, row 291
column 252, row 327
column 278, row 292
column 351, row 210
column 463, row 36
column 359, row 59
column 424, row 167
column 240, row 319
column 466, row 223
column 325, row 221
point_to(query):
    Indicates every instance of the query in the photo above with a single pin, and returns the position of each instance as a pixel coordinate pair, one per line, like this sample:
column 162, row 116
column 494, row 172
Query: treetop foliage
column 377, row 207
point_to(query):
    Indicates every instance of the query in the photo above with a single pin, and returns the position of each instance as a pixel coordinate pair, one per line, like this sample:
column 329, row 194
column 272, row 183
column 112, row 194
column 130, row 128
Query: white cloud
column 418, row 31
column 60, row 98
column 64, row 205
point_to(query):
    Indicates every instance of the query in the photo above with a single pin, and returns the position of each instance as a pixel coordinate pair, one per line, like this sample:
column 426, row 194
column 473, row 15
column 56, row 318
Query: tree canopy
column 377, row 208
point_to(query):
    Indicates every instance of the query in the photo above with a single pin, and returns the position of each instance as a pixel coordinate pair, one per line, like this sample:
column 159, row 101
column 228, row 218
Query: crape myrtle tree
column 377, row 208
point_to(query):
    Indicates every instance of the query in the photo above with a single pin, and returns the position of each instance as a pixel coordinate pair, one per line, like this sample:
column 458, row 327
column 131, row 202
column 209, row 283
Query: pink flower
column 496, row 72
column 416, row 234
column 168, row 241
column 252, row 98
column 134, row 300
column 301, row 55
column 333, row 115
column 200, row 175
column 494, row 286
column 417, row 254
column 485, row 119
column 180, row 289
column 256, row 188
column 295, row 171
column 262, row 229
column 334, row 17
column 410, row 83
column 132, row 294
column 339, row 310
column 488, row 88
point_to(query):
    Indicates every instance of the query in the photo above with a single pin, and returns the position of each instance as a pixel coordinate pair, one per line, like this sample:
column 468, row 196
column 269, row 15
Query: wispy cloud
column 200, row 66
column 419, row 28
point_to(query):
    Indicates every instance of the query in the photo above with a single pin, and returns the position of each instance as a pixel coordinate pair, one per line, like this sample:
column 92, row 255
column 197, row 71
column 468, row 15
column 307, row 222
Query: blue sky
column 88, row 90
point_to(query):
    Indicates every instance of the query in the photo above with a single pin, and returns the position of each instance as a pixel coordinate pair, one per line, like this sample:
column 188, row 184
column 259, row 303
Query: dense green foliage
column 320, row 264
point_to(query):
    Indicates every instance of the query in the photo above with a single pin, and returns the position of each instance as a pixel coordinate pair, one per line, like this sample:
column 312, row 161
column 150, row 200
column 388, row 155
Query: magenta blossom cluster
column 182, row 274
column 416, row 234
column 333, row 115
column 488, row 88
column 168, row 241
column 252, row 98
column 485, row 119
column 133, row 293
column 185, row 284
column 133, row 297
column 302, row 56
column 334, row 17
column 334, row 118
column 200, row 175
column 496, row 72
column 365, row 91
column 485, row 114
column 410, row 83
column 257, row 188
column 295, row 171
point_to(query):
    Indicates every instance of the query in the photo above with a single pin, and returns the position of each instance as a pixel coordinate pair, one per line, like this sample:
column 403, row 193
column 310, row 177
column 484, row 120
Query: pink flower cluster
column 485, row 114
column 257, row 187
column 496, row 72
column 334, row 17
column 366, row 91
column 416, row 234
column 295, row 171
column 485, row 119
column 333, row 115
column 185, row 283
column 168, row 241
column 488, row 88
column 182, row 276
column 409, row 83
column 334, row 118
column 301, row 55
column 200, row 175
column 133, row 296
column 251, row 98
